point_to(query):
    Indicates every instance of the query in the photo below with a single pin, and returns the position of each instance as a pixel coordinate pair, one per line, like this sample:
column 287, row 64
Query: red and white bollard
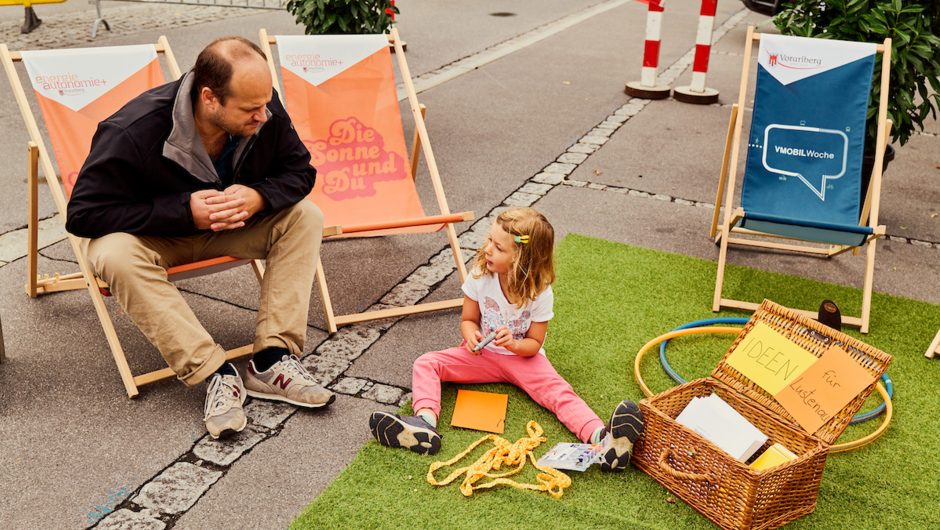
column 647, row 88
column 697, row 92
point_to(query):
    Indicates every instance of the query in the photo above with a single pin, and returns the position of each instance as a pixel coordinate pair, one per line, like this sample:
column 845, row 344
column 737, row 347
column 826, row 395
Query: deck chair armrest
column 736, row 217
column 399, row 223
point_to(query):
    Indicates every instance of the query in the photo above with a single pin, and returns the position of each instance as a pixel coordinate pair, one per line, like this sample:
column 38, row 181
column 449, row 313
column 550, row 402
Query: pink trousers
column 535, row 375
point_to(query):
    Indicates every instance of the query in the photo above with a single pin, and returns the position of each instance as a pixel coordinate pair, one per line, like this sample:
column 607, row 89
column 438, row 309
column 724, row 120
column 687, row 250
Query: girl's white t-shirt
column 496, row 311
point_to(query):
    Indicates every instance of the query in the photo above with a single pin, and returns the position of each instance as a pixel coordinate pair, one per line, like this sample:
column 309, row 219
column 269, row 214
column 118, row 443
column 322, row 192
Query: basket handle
column 674, row 473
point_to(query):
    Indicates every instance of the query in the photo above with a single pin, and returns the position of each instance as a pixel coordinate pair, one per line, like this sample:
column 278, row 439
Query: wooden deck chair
column 802, row 179
column 932, row 350
column 75, row 91
column 340, row 93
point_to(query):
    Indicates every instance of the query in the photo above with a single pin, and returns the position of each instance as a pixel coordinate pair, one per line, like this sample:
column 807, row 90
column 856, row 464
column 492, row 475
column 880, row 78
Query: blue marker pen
column 482, row 344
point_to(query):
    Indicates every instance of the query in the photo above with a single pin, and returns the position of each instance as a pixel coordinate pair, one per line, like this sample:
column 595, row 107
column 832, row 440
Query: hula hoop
column 858, row 418
column 696, row 331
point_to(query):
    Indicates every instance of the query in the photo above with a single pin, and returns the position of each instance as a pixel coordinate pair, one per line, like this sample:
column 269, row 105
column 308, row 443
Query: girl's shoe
column 412, row 432
column 626, row 424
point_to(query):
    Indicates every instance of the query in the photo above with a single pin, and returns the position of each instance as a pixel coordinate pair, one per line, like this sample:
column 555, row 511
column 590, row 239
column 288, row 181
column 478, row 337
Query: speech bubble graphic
column 808, row 153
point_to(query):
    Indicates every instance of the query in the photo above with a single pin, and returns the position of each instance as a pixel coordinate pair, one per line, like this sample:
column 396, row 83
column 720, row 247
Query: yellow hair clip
column 522, row 239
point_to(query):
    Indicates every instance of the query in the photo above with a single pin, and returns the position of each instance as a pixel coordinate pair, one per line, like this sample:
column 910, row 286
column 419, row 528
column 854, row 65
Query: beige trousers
column 135, row 268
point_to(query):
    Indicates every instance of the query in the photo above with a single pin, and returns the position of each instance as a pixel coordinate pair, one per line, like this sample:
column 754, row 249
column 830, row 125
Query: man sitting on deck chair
column 207, row 166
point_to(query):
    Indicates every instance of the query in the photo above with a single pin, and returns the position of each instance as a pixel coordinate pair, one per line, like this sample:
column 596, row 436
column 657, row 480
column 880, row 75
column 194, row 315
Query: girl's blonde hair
column 533, row 266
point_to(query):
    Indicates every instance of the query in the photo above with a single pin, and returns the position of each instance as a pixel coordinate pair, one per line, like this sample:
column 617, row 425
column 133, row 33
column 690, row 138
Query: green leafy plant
column 915, row 51
column 343, row 16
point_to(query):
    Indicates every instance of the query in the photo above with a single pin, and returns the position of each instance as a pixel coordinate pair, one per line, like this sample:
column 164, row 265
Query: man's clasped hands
column 225, row 210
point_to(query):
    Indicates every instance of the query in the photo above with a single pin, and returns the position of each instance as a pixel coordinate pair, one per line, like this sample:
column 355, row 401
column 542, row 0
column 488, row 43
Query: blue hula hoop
column 858, row 418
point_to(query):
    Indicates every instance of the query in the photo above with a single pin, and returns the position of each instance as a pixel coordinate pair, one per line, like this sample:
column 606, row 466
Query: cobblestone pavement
column 73, row 29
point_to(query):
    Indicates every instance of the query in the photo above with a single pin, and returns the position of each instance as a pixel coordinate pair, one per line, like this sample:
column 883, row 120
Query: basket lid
column 815, row 338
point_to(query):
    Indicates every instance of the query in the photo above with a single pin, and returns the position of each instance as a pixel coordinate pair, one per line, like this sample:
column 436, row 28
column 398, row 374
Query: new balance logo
column 280, row 381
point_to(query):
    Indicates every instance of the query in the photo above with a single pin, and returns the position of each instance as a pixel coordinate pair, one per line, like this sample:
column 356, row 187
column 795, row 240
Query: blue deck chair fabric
column 802, row 178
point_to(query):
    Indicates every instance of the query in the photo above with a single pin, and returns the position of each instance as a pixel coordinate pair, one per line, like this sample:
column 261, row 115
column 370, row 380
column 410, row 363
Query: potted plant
column 915, row 53
column 343, row 16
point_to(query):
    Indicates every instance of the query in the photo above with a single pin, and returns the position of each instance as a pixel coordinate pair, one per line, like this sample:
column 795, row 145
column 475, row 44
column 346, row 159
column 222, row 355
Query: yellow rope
column 504, row 453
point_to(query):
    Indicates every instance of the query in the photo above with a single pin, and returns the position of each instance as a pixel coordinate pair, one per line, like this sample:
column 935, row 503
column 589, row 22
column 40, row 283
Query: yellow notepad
column 482, row 411
column 775, row 455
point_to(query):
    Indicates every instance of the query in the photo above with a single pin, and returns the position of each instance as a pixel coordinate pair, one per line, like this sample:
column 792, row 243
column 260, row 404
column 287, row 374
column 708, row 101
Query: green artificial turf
column 610, row 299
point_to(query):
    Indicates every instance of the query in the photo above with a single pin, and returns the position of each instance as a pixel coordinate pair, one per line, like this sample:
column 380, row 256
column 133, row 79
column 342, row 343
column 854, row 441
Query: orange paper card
column 481, row 411
column 820, row 392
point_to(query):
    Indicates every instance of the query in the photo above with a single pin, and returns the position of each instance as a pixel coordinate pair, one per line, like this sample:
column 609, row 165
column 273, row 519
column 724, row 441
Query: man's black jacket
column 137, row 179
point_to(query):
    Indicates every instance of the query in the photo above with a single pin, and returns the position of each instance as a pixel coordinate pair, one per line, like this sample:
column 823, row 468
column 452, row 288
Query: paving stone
column 898, row 239
column 617, row 190
column 471, row 240
column 349, row 385
column 629, row 110
column 125, row 519
column 920, row 243
column 224, row 452
column 555, row 167
column 616, row 119
column 431, row 275
column 596, row 186
column 328, row 369
column 405, row 398
column 447, row 255
column 661, row 197
column 593, row 139
column 637, row 193
column 13, row 244
column 268, row 414
column 176, row 489
column 522, row 199
column 597, row 131
column 582, row 148
column 347, row 343
column 577, row 183
column 572, row 158
column 705, row 205
column 406, row 293
column 549, row 178
column 476, row 237
column 384, row 394
column 535, row 189
column 685, row 202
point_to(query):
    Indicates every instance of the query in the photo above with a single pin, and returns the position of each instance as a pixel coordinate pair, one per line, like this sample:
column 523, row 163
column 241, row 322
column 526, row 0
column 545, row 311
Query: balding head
column 219, row 61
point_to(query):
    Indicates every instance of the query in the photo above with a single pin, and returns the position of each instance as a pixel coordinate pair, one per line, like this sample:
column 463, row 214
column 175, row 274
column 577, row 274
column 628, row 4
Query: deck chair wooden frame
column 932, row 350
column 38, row 156
column 419, row 143
column 869, row 211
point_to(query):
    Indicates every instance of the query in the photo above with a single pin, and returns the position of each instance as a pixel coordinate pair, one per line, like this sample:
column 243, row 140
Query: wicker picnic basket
column 730, row 493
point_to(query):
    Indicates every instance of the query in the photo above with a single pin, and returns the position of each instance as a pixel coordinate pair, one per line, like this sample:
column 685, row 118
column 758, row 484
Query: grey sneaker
column 223, row 412
column 412, row 432
column 287, row 381
column 626, row 424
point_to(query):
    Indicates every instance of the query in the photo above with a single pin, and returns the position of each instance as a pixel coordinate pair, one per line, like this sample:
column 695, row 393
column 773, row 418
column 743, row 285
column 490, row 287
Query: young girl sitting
column 507, row 293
